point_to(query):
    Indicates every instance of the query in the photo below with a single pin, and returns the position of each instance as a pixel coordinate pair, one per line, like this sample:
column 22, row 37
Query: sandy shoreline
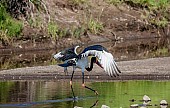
column 152, row 68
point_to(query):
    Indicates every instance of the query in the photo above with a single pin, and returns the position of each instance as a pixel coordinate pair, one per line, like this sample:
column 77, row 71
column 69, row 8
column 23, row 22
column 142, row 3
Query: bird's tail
column 64, row 65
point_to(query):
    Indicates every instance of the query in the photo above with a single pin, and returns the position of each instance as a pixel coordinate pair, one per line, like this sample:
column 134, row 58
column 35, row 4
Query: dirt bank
column 153, row 68
column 92, row 21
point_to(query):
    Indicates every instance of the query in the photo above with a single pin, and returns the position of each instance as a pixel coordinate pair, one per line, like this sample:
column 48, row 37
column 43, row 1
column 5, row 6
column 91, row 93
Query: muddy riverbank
column 150, row 69
column 84, row 22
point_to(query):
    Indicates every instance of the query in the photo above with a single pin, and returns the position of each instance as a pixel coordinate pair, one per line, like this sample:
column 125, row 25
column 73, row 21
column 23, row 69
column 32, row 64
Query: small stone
column 163, row 102
column 146, row 98
column 134, row 106
column 105, row 106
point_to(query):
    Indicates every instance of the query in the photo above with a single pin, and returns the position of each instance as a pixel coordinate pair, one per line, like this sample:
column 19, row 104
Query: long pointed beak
column 98, row 63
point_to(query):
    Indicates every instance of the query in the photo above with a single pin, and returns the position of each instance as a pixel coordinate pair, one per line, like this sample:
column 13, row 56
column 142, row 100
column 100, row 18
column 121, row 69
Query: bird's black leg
column 83, row 85
column 71, row 82
column 65, row 71
column 72, row 76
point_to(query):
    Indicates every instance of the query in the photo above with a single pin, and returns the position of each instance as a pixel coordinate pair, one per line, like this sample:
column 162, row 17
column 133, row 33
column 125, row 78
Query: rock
column 146, row 98
column 163, row 102
column 134, row 106
column 105, row 106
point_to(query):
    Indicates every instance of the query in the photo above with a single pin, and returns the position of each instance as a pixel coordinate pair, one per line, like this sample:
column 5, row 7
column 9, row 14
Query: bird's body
column 98, row 55
column 82, row 63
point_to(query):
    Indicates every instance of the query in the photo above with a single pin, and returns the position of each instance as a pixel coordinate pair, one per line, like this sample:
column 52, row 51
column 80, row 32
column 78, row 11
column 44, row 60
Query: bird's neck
column 91, row 64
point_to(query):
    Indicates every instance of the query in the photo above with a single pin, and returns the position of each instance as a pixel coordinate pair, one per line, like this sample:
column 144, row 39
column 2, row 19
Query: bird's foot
column 83, row 85
column 96, row 93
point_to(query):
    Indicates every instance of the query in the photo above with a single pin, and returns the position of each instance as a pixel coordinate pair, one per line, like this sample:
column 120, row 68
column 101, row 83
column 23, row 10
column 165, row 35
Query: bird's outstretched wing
column 104, row 58
column 66, row 54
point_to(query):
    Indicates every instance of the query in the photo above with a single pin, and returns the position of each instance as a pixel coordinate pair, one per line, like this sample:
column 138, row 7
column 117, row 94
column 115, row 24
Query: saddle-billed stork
column 100, row 56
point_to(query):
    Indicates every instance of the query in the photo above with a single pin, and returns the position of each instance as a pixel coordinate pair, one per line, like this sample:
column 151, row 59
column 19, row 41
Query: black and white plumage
column 67, row 56
column 105, row 59
column 98, row 54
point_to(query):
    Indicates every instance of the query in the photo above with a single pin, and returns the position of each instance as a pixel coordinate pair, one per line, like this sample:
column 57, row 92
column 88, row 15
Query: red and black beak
column 98, row 63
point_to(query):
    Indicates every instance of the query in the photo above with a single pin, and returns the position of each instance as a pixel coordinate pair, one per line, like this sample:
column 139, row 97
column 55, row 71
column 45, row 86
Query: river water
column 58, row 94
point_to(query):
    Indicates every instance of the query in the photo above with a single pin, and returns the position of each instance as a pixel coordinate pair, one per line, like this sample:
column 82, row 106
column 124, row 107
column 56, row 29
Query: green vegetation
column 154, row 14
column 55, row 32
column 95, row 26
column 52, row 30
column 37, row 22
column 160, row 52
column 153, row 4
column 156, row 11
column 8, row 25
column 77, row 31
column 150, row 4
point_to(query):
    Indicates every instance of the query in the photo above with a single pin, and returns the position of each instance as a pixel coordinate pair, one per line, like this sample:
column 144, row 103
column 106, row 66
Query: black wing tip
column 119, row 70
column 112, row 76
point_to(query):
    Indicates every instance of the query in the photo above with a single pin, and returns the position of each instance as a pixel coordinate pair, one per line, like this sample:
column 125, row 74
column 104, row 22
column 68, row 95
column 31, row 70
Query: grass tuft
column 52, row 30
column 95, row 26
column 9, row 25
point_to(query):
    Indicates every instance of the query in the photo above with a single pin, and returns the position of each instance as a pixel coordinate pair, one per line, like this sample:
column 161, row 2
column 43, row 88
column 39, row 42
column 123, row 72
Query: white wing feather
column 106, row 60
column 108, row 64
column 58, row 55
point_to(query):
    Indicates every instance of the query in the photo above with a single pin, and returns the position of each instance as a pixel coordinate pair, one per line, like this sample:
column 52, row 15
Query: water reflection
column 57, row 94
column 25, row 59
column 127, row 50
